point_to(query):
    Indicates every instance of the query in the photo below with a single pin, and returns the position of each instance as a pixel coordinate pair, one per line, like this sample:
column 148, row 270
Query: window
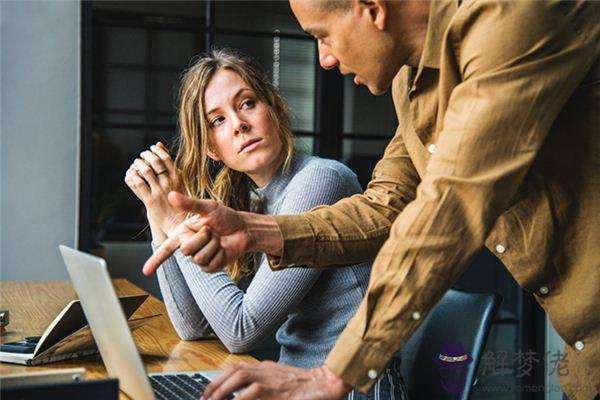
column 138, row 52
column 138, row 59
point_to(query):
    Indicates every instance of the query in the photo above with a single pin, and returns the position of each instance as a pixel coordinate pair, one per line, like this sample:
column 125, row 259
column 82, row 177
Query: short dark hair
column 333, row 5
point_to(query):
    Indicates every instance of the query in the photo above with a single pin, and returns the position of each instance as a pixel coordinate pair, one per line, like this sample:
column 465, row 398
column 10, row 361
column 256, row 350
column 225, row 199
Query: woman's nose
column 241, row 126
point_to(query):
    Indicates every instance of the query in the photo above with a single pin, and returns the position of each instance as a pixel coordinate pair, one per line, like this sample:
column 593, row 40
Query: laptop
column 101, row 307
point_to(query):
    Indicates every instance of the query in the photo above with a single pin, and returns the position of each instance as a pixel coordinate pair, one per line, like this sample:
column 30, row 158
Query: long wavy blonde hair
column 202, row 177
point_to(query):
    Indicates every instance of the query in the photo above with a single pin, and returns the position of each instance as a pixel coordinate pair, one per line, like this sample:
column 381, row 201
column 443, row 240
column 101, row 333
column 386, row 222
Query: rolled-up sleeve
column 513, row 67
column 353, row 229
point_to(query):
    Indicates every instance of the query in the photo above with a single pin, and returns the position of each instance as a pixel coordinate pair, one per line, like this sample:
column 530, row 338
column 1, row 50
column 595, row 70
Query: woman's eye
column 248, row 103
column 216, row 122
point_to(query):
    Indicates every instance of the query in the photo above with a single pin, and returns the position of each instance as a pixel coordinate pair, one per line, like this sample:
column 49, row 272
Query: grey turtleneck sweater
column 314, row 305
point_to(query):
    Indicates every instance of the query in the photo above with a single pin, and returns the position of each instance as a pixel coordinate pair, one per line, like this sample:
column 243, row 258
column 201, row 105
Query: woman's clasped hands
column 151, row 177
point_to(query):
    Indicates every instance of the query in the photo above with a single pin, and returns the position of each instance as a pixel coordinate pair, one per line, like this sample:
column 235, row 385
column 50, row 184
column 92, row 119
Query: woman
column 236, row 147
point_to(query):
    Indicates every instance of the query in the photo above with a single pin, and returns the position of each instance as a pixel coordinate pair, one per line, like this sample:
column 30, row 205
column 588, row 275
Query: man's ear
column 375, row 9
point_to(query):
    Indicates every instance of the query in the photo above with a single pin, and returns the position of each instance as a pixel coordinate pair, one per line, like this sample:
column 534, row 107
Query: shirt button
column 500, row 249
column 544, row 290
column 579, row 345
column 372, row 374
column 416, row 315
column 431, row 148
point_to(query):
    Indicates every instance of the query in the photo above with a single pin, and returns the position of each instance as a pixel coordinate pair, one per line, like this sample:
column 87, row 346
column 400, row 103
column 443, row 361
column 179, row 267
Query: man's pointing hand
column 214, row 235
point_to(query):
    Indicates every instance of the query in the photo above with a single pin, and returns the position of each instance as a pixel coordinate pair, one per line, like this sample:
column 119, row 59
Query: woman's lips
column 250, row 146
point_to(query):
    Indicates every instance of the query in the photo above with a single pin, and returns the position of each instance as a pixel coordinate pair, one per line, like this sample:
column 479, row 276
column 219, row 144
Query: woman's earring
column 211, row 153
column 215, row 163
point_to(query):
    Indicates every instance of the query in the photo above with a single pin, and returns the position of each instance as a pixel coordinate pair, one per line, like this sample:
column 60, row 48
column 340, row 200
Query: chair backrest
column 460, row 321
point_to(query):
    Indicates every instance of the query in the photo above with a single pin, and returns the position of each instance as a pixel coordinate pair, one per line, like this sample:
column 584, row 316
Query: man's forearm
column 264, row 233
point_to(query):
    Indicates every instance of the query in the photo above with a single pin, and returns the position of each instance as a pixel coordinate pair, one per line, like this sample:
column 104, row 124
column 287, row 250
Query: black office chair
column 439, row 362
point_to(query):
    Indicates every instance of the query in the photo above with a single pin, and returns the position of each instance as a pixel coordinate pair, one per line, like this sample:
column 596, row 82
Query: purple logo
column 453, row 365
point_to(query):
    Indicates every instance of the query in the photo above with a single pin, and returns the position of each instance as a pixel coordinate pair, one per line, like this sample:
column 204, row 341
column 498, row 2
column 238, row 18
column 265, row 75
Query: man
column 497, row 145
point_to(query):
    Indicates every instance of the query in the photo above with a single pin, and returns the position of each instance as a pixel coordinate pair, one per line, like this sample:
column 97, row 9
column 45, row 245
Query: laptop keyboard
column 178, row 386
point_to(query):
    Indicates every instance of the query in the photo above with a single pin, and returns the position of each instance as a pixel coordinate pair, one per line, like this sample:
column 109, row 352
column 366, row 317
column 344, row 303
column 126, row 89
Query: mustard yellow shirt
column 498, row 144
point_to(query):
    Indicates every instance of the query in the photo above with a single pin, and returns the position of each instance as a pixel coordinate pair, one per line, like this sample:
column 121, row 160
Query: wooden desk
column 34, row 304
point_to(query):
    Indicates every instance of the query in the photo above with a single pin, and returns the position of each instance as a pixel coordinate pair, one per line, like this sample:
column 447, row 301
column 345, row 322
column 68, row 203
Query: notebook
column 68, row 335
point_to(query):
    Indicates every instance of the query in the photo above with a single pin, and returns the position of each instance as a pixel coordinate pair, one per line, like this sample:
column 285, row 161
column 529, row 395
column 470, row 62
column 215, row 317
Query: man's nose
column 326, row 58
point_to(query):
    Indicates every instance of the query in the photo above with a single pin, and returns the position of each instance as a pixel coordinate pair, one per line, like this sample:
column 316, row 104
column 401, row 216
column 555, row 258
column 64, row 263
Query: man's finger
column 185, row 203
column 196, row 242
column 161, row 255
column 217, row 263
column 205, row 255
column 239, row 379
column 218, row 381
column 252, row 392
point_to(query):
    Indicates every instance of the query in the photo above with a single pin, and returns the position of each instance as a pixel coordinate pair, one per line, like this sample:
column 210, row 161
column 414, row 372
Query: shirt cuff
column 357, row 362
column 298, row 242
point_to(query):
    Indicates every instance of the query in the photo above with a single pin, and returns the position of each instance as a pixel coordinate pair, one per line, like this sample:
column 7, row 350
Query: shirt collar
column 440, row 15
